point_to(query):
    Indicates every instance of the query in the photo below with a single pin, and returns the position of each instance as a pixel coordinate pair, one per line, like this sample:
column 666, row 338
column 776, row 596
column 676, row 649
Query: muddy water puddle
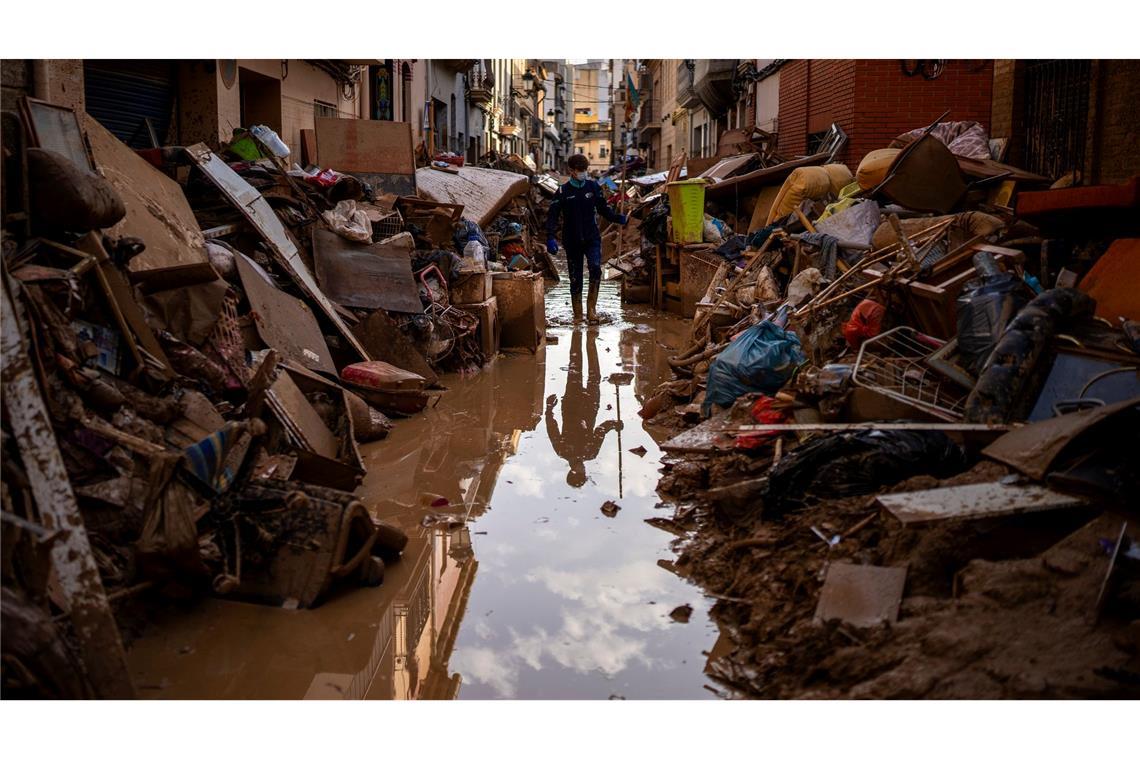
column 519, row 586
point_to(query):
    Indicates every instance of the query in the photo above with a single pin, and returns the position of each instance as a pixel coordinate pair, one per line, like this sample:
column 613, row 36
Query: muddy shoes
column 592, row 303
column 576, row 303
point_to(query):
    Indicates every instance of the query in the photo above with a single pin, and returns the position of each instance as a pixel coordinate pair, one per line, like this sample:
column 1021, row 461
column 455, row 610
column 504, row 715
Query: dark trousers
column 591, row 251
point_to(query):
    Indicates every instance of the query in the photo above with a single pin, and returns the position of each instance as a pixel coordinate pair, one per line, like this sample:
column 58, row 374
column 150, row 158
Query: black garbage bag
column 1014, row 371
column 859, row 462
column 655, row 225
column 985, row 307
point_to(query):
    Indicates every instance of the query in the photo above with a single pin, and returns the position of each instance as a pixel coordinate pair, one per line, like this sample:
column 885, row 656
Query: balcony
column 686, row 93
column 712, row 83
column 649, row 123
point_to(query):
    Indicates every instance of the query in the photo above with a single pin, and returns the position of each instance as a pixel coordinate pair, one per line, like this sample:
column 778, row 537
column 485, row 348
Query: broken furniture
column 521, row 309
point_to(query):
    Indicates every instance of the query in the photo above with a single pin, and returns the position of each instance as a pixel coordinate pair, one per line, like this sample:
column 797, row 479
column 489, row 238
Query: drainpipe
column 466, row 119
column 40, row 79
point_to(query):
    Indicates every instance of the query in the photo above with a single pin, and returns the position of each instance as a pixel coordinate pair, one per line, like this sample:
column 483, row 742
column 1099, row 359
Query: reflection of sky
column 569, row 603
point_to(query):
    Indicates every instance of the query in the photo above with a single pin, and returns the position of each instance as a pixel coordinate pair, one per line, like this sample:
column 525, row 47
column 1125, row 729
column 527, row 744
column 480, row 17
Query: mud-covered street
column 591, row 379
column 520, row 587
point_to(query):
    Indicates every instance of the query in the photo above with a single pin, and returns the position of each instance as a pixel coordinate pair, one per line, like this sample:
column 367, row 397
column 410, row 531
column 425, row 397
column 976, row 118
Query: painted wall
column 767, row 99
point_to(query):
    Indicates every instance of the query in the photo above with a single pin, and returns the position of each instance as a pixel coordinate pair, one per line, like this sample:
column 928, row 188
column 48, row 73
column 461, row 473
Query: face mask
column 580, row 176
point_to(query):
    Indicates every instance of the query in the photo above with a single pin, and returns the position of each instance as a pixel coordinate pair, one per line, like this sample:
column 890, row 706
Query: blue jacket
column 578, row 207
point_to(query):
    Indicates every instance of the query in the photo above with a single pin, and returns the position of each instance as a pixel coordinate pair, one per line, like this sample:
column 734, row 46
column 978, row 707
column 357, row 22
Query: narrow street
column 537, row 595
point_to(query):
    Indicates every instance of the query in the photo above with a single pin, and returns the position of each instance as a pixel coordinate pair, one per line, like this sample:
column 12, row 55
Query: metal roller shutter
column 121, row 94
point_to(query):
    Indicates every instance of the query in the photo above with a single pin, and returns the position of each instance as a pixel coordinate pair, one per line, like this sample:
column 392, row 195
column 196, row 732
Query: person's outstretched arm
column 607, row 210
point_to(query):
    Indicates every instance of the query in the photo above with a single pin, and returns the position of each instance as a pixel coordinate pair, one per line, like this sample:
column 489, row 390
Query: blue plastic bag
column 762, row 358
column 467, row 231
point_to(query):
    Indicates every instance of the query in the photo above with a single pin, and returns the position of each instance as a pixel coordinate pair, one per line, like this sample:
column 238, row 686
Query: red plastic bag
column 764, row 414
column 866, row 322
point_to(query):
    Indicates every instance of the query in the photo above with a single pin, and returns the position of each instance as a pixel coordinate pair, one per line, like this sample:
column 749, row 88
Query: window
column 602, row 152
column 581, row 150
column 324, row 110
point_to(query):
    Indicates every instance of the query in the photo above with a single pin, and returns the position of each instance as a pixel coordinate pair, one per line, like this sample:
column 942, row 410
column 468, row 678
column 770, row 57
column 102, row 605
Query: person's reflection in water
column 580, row 440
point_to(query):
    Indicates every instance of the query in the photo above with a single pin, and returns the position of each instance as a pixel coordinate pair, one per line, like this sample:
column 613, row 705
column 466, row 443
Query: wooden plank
column 972, row 502
column 101, row 648
column 862, row 595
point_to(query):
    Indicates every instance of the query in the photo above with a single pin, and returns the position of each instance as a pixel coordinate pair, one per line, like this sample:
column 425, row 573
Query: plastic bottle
column 270, row 140
column 474, row 257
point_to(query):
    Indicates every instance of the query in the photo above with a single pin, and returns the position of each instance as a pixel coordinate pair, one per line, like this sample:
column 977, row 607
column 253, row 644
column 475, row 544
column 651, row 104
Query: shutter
column 121, row 94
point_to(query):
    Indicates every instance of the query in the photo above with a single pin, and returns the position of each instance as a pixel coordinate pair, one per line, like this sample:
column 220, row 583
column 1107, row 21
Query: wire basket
column 392, row 224
column 894, row 364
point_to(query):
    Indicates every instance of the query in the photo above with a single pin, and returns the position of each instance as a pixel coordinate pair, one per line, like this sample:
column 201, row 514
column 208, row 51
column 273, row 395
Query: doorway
column 260, row 100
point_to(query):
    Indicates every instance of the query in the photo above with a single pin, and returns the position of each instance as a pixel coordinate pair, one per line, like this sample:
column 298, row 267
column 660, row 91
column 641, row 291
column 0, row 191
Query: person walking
column 576, row 206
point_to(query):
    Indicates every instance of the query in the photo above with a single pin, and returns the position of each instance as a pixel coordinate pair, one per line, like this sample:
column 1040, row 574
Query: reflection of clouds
column 483, row 629
column 525, row 479
column 602, row 626
column 486, row 666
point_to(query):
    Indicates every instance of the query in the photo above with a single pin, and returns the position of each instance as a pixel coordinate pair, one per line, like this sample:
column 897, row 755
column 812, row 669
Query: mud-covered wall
column 56, row 80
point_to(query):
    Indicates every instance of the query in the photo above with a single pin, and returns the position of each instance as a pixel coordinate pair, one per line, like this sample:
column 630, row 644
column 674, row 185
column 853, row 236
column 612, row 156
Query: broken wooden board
column 483, row 193
column 1031, row 449
column 861, row 595
column 378, row 152
column 157, row 210
column 973, row 502
column 283, row 322
column 375, row 276
column 257, row 211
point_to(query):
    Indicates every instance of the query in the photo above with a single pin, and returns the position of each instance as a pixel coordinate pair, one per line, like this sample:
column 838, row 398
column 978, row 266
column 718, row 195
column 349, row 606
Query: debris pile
column 194, row 344
column 905, row 419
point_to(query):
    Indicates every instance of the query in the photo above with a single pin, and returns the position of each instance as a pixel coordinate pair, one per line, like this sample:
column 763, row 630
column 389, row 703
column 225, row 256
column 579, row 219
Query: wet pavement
column 520, row 587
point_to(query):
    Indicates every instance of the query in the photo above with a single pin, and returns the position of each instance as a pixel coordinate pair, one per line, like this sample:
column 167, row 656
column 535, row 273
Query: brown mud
column 992, row 609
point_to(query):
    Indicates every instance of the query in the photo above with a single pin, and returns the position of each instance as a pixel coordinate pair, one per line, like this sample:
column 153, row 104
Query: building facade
column 593, row 132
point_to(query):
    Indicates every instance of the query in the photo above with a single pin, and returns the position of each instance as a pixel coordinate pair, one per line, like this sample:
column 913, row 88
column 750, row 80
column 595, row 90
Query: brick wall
column 813, row 94
column 874, row 102
column 888, row 103
column 1116, row 129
